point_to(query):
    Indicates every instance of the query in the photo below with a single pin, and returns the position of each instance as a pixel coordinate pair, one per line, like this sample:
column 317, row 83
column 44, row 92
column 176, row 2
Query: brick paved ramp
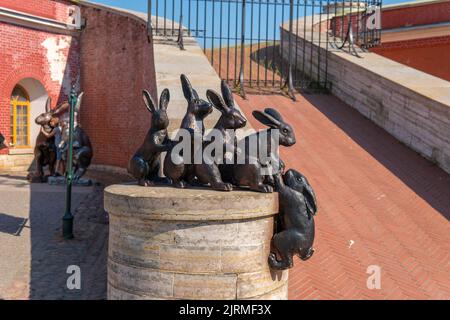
column 379, row 204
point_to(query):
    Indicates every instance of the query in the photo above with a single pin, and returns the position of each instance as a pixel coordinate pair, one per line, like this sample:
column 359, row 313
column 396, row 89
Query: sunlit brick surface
column 374, row 192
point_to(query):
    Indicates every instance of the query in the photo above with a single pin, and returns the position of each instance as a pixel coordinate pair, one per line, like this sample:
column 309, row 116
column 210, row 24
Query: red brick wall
column 116, row 65
column 53, row 9
column 429, row 55
column 416, row 15
column 392, row 18
column 23, row 55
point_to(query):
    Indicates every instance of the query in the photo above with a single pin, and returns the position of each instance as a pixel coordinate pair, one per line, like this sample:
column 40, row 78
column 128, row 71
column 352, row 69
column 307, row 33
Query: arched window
column 20, row 118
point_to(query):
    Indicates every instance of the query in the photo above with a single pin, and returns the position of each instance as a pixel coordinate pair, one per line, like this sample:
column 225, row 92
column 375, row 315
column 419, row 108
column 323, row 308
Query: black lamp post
column 68, row 216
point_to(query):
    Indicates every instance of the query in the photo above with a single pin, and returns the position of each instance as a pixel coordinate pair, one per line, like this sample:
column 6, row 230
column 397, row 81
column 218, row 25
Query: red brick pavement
column 392, row 203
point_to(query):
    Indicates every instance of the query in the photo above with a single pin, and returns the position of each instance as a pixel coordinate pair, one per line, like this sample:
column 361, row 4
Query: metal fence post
column 241, row 73
column 288, row 85
column 180, row 39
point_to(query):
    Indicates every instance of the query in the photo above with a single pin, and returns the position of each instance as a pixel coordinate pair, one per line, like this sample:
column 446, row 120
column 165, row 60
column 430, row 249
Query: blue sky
column 217, row 24
column 141, row 5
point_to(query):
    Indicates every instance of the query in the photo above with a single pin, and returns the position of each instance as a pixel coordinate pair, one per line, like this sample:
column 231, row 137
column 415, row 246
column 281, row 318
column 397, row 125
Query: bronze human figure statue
column 145, row 163
column 82, row 147
column 231, row 118
column 298, row 205
column 44, row 150
column 250, row 173
column 197, row 110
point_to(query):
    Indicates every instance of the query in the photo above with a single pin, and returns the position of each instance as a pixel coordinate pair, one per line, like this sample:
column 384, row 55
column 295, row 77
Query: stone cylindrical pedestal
column 168, row 243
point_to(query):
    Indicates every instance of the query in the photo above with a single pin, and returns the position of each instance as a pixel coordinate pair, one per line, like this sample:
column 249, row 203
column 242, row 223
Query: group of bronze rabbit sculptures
column 294, row 232
column 45, row 148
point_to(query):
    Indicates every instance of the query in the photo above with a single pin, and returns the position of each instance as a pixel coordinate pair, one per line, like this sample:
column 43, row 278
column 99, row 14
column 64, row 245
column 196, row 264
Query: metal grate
column 243, row 41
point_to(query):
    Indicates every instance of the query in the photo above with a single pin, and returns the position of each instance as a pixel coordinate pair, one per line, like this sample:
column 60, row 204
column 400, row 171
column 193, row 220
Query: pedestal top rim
column 135, row 191
column 168, row 203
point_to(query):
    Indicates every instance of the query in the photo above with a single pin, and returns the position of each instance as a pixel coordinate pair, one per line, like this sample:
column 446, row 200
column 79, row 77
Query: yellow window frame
column 15, row 103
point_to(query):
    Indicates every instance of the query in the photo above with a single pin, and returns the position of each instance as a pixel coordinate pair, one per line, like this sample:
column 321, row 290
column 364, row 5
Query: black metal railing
column 244, row 42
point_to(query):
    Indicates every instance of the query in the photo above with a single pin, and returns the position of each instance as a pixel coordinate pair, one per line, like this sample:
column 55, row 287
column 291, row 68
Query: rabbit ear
column 216, row 100
column 148, row 100
column 274, row 113
column 164, row 99
column 196, row 96
column 266, row 119
column 227, row 94
column 61, row 109
column 310, row 196
column 48, row 105
column 79, row 100
column 187, row 88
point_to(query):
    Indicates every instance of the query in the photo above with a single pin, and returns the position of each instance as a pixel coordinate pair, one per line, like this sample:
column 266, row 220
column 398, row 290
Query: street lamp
column 68, row 216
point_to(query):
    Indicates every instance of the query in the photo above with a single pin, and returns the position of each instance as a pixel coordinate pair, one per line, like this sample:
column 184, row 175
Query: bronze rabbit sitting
column 145, row 163
column 208, row 171
column 178, row 171
column 44, row 150
column 82, row 147
column 298, row 206
column 250, row 173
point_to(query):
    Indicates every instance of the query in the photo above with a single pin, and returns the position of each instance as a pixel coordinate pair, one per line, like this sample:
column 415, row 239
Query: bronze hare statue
column 208, row 171
column 145, row 163
column 44, row 150
column 2, row 142
column 298, row 205
column 250, row 173
column 181, row 173
column 82, row 147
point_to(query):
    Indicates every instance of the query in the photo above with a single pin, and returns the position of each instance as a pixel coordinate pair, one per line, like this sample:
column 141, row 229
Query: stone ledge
column 411, row 105
column 199, row 204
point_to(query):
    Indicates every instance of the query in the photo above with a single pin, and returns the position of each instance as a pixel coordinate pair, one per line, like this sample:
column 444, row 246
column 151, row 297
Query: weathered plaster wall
column 52, row 59
column 51, row 9
column 112, row 54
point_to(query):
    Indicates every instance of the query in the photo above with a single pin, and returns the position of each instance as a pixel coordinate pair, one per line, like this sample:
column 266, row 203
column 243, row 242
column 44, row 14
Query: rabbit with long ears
column 44, row 152
column 178, row 171
column 250, row 173
column 145, row 163
column 298, row 205
column 44, row 118
column 82, row 147
column 231, row 118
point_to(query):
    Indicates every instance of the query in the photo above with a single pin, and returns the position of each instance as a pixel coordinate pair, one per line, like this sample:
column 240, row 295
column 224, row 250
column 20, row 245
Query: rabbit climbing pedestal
column 168, row 243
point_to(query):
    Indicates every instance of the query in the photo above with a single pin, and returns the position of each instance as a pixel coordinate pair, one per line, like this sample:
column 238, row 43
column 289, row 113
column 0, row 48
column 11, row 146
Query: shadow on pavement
column 426, row 179
column 52, row 256
column 11, row 224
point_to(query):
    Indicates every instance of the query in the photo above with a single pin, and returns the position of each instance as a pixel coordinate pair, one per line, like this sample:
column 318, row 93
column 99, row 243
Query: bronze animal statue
column 197, row 110
column 298, row 205
column 82, row 147
column 145, row 163
column 250, row 172
column 208, row 171
column 2, row 142
column 44, row 150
